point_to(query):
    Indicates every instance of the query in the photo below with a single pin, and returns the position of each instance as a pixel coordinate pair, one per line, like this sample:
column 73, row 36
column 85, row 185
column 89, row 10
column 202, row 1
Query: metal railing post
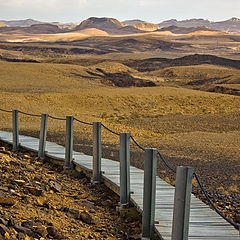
column 15, row 130
column 124, row 169
column 43, row 136
column 149, row 193
column 97, row 153
column 69, row 143
column 182, row 200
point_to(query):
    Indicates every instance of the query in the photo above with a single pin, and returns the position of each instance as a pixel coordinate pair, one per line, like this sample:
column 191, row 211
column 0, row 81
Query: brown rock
column 27, row 224
column 21, row 236
column 74, row 213
column 56, row 187
column 40, row 230
column 20, row 182
column 87, row 218
column 3, row 229
column 135, row 237
column 87, row 204
column 53, row 232
column 15, row 163
column 35, row 191
column 30, row 168
column 6, row 200
column 3, row 221
column 237, row 218
column 107, row 203
column 2, row 188
column 22, row 229
column 41, row 201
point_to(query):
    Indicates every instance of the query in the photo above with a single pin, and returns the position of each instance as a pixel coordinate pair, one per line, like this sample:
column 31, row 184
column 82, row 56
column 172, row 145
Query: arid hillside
column 38, row 200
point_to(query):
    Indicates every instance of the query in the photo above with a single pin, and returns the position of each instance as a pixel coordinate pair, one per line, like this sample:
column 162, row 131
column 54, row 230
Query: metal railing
column 182, row 189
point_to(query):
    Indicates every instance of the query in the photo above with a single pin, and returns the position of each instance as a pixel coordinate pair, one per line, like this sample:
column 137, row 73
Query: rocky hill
column 146, row 26
column 133, row 22
column 230, row 25
column 109, row 25
column 38, row 200
column 45, row 28
column 21, row 23
column 182, row 30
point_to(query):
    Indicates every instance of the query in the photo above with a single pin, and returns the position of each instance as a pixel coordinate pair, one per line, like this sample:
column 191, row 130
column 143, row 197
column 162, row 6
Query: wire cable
column 138, row 145
column 212, row 204
column 108, row 129
column 3, row 110
column 165, row 162
column 56, row 118
column 87, row 123
column 29, row 114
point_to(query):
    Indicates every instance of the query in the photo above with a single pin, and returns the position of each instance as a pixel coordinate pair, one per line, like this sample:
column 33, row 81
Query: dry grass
column 185, row 74
column 182, row 122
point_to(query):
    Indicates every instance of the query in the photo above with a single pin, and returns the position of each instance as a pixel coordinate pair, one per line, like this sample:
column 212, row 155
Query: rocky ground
column 38, row 200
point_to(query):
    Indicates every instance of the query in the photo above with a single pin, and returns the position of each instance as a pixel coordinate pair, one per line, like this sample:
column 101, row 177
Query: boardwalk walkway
column 204, row 222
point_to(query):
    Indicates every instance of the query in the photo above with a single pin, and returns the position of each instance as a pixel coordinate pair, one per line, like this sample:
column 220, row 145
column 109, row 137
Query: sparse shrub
column 104, row 115
column 233, row 188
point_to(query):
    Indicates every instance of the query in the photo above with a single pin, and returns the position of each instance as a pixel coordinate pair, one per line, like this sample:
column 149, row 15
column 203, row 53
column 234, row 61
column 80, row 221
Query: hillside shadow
column 121, row 79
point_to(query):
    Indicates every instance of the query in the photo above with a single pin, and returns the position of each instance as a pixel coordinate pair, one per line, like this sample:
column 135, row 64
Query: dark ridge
column 35, row 29
column 152, row 64
column 121, row 79
column 224, row 90
column 183, row 30
column 18, row 60
column 98, row 45
column 60, row 50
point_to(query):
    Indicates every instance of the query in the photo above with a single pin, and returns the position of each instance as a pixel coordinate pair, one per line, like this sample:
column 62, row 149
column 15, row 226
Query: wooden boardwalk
column 204, row 222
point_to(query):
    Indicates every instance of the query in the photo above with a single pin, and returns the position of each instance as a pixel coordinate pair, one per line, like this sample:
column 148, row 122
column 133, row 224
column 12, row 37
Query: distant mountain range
column 21, row 23
column 114, row 27
column 230, row 25
column 29, row 22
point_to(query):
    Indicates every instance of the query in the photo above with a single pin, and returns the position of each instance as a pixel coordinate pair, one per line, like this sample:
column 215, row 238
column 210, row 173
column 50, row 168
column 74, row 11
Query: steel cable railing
column 212, row 204
column 140, row 147
column 80, row 121
column 3, row 110
column 111, row 131
column 165, row 162
column 199, row 183
column 56, row 118
column 29, row 114
column 136, row 143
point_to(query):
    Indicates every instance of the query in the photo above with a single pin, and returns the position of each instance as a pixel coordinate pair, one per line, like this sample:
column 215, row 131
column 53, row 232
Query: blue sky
column 148, row 10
